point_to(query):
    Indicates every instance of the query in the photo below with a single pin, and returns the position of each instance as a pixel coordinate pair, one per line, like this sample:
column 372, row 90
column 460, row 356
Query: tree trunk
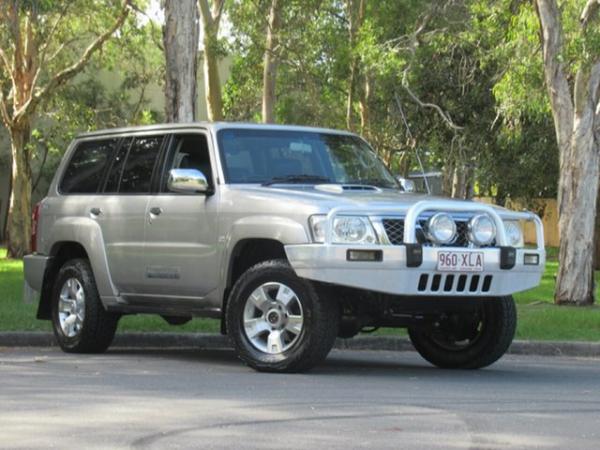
column 365, row 106
column 448, row 177
column 356, row 14
column 211, row 18
column 350, row 100
column 212, row 83
column 459, row 182
column 19, row 212
column 579, row 183
column 180, row 37
column 271, row 61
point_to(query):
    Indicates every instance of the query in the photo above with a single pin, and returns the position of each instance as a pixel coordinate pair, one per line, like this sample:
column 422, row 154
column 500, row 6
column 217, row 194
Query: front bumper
column 394, row 273
column 328, row 263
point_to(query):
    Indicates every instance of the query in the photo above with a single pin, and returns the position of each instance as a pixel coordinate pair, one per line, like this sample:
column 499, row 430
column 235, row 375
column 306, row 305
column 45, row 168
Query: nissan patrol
column 290, row 236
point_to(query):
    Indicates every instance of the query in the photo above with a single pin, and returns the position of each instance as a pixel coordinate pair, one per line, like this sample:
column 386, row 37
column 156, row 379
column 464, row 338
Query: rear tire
column 278, row 322
column 469, row 341
column 79, row 320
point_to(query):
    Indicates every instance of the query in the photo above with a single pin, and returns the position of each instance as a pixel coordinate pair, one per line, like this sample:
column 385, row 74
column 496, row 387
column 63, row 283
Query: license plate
column 460, row 261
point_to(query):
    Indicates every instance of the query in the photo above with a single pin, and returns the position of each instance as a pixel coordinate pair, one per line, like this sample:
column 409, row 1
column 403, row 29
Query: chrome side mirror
column 187, row 181
column 406, row 184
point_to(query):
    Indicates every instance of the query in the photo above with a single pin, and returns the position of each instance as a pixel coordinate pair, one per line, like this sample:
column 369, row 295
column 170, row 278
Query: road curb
column 205, row 340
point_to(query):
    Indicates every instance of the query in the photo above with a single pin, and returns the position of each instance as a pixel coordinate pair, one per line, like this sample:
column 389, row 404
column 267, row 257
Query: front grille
column 394, row 229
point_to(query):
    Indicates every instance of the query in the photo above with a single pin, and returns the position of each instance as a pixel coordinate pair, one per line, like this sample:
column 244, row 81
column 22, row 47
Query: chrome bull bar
column 413, row 212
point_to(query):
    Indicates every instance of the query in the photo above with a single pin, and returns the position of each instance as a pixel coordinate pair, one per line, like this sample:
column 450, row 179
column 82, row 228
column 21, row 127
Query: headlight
column 482, row 230
column 346, row 230
column 514, row 233
column 441, row 228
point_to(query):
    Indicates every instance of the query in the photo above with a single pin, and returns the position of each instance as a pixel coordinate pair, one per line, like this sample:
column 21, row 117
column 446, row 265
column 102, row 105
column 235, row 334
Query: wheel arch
column 61, row 252
column 245, row 254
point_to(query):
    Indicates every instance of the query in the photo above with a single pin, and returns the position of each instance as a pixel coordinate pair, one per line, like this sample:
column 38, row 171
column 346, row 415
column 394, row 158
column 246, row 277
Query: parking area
column 174, row 398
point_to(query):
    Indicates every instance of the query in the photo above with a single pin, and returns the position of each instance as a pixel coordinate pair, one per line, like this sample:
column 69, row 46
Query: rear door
column 181, row 229
column 121, row 211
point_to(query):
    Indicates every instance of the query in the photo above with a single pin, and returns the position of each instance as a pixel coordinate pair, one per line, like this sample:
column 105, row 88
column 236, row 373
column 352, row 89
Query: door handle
column 156, row 211
column 95, row 211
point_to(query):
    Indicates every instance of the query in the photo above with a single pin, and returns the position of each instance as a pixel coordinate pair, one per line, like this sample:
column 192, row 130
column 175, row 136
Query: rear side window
column 116, row 169
column 139, row 166
column 86, row 167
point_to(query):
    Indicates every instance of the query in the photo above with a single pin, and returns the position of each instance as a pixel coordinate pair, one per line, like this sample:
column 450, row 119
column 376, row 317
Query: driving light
column 482, row 230
column 441, row 228
column 531, row 259
column 514, row 233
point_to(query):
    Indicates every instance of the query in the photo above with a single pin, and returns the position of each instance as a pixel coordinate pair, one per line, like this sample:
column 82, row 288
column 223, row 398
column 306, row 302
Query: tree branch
column 444, row 115
column 206, row 14
column 75, row 68
column 7, row 65
column 591, row 7
column 48, row 36
column 4, row 111
column 217, row 10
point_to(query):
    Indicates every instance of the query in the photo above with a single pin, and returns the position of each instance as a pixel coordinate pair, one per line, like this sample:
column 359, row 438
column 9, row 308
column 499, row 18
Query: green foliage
column 477, row 60
column 113, row 89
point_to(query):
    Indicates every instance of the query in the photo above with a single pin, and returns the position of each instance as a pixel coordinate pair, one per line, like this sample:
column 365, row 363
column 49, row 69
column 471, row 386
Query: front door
column 181, row 259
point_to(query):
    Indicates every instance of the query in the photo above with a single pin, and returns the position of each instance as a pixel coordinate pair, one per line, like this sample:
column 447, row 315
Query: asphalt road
column 357, row 399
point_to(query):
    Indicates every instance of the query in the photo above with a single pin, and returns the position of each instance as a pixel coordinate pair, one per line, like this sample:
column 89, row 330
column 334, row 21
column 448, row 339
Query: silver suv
column 290, row 236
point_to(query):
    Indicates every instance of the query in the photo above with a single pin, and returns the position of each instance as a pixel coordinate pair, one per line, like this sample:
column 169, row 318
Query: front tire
column 79, row 320
column 278, row 322
column 469, row 340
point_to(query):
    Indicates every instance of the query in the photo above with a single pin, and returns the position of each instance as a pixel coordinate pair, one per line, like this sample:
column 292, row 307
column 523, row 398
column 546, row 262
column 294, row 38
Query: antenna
column 423, row 172
column 410, row 135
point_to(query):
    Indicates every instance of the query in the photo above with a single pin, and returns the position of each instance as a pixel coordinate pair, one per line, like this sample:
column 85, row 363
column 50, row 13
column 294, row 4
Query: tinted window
column 86, row 167
column 118, row 162
column 139, row 166
column 190, row 152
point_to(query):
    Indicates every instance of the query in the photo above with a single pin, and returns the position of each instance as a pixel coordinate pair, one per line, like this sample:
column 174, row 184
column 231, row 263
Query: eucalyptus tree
column 552, row 55
column 41, row 49
column 576, row 113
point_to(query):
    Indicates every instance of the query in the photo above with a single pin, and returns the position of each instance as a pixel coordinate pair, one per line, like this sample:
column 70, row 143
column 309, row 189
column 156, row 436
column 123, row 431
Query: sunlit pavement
column 356, row 399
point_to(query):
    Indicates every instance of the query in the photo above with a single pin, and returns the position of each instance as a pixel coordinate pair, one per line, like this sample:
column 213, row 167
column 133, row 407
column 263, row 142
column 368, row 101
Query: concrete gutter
column 204, row 340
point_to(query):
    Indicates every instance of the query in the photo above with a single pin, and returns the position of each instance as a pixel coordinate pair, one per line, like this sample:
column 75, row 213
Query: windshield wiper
column 296, row 179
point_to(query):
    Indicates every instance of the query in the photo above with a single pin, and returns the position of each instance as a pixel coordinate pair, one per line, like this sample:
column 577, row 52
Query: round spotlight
column 441, row 229
column 482, row 230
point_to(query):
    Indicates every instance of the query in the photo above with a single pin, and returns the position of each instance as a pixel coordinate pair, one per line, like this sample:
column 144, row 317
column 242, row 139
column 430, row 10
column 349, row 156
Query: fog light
column 531, row 259
column 364, row 255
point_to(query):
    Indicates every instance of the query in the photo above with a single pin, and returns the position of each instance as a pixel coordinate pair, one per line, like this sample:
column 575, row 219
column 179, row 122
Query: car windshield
column 283, row 156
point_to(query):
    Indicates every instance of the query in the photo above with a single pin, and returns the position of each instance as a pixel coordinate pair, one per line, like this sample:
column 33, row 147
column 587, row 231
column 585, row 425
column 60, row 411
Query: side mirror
column 188, row 181
column 406, row 184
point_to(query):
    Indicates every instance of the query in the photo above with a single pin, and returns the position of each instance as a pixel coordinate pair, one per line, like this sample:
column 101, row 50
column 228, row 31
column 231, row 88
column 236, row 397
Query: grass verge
column 539, row 318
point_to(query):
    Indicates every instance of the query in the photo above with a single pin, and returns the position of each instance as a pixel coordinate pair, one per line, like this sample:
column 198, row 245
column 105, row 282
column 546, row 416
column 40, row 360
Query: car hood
column 330, row 196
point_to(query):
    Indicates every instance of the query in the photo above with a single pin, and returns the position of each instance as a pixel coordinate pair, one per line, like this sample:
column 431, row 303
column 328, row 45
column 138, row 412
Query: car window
column 260, row 156
column 139, row 165
column 189, row 152
column 86, row 167
column 116, row 169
